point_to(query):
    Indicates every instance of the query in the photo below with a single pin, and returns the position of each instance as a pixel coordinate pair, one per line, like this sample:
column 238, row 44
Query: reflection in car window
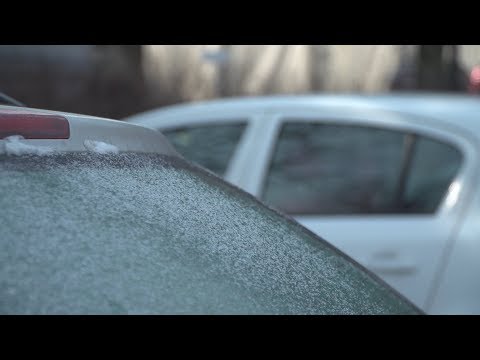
column 344, row 169
column 138, row 233
column 211, row 146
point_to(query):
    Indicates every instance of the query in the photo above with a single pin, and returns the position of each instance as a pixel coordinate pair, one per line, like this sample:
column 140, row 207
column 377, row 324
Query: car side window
column 211, row 146
column 433, row 168
column 348, row 169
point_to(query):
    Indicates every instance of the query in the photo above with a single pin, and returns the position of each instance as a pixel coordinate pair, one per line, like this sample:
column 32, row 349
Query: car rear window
column 138, row 233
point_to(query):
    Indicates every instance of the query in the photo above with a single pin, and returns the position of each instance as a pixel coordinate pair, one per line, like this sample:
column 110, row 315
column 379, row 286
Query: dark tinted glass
column 342, row 170
column 211, row 146
column 133, row 233
column 434, row 166
column 327, row 169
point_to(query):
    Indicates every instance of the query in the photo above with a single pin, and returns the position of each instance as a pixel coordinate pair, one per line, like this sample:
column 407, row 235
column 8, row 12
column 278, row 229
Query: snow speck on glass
column 100, row 147
column 13, row 145
column 137, row 233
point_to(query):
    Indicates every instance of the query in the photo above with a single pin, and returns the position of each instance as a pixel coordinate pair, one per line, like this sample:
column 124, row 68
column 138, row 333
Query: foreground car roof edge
column 125, row 136
column 319, row 238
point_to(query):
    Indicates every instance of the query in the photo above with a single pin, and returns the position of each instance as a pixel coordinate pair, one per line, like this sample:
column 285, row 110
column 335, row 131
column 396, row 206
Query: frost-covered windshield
column 138, row 233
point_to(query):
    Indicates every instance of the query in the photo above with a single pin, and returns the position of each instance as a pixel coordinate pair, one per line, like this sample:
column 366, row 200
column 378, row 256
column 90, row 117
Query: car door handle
column 391, row 264
column 393, row 269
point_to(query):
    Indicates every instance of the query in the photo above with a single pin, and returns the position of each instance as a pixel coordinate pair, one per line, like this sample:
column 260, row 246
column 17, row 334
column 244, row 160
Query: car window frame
column 465, row 178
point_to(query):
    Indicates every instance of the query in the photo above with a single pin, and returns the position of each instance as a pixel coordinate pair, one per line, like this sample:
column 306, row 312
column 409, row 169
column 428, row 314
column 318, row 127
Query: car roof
column 452, row 109
column 85, row 129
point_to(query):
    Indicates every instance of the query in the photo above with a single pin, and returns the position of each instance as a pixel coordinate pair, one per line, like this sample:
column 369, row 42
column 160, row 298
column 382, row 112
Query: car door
column 363, row 180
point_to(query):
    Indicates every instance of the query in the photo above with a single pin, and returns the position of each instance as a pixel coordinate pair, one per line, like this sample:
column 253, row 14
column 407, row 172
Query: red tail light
column 33, row 125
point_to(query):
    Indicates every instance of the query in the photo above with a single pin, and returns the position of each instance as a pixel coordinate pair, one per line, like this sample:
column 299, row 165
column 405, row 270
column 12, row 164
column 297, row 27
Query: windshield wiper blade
column 7, row 100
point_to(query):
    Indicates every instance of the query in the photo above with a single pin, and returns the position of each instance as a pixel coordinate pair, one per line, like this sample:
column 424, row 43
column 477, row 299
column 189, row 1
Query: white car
column 392, row 180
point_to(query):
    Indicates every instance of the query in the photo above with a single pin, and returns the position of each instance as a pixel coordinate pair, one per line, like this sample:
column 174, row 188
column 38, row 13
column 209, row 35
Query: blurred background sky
column 120, row 80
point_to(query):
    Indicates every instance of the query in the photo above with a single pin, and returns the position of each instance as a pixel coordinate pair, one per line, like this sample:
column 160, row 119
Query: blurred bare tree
column 318, row 66
column 439, row 69
column 102, row 80
column 119, row 80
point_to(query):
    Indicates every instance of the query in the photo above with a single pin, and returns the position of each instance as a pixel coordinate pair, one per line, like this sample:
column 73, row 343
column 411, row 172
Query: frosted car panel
column 140, row 234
